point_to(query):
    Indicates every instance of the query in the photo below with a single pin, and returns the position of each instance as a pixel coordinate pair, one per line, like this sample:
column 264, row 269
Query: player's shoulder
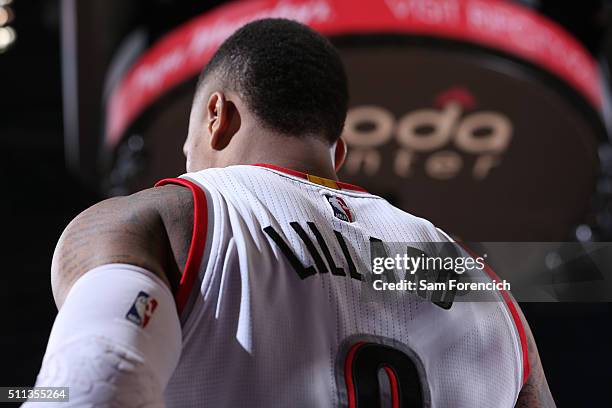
column 167, row 208
column 426, row 229
column 130, row 229
column 145, row 205
column 235, row 170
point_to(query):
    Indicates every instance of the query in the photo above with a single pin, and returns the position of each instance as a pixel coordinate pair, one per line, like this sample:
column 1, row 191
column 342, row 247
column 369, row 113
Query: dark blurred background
column 56, row 72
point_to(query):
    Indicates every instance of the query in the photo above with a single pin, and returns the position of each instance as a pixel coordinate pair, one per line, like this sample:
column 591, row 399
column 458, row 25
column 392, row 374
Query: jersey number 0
column 365, row 360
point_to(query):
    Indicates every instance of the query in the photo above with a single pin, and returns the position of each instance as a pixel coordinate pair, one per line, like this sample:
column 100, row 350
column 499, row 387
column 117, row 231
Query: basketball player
column 238, row 284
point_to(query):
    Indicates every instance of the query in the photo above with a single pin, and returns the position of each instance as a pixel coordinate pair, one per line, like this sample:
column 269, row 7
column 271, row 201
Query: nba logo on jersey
column 340, row 208
column 142, row 309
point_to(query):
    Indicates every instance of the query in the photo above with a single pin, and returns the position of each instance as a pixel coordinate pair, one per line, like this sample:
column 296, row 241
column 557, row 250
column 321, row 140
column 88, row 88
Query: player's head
column 274, row 76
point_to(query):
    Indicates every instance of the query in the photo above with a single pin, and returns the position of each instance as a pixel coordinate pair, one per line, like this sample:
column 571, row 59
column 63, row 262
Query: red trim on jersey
column 515, row 316
column 348, row 374
column 343, row 186
column 517, row 321
column 198, row 240
column 394, row 387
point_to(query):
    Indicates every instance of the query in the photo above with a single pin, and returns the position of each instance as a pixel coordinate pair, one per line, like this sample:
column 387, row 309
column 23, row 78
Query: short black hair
column 291, row 77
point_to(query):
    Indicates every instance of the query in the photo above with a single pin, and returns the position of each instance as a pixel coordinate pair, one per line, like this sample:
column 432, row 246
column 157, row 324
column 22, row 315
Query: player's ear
column 220, row 114
column 340, row 151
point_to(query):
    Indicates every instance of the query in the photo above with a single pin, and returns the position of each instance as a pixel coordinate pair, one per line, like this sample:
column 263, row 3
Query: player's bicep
column 118, row 230
column 117, row 337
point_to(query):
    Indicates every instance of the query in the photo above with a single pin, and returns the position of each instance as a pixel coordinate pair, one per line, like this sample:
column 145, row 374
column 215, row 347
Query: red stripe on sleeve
column 198, row 240
column 517, row 322
column 513, row 312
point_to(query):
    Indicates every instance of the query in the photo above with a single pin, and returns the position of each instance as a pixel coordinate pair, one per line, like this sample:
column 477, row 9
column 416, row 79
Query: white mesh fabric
column 259, row 336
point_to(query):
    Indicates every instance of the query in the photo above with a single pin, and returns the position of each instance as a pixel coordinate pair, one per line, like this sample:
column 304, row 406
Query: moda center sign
column 481, row 144
column 431, row 138
column 481, row 116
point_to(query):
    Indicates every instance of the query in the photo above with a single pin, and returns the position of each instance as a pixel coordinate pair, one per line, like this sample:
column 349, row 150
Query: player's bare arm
column 133, row 230
column 117, row 337
column 535, row 392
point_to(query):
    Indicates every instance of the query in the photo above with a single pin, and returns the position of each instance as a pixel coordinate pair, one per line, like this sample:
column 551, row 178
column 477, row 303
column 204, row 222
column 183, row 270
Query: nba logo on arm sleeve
column 341, row 210
column 142, row 309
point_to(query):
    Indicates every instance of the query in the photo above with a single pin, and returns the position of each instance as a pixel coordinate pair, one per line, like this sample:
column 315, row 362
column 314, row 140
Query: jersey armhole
column 518, row 323
column 510, row 305
column 198, row 241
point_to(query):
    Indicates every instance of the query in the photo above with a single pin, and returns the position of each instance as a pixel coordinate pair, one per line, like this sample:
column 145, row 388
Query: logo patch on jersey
column 322, row 181
column 142, row 309
column 341, row 210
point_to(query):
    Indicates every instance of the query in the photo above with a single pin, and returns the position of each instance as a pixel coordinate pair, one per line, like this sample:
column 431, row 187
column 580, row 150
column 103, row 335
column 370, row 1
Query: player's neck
column 308, row 155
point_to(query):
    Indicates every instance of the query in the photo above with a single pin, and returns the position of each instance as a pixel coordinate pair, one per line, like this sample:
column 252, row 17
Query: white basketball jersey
column 274, row 312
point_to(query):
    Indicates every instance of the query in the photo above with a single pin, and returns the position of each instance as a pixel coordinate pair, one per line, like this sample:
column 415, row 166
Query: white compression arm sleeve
column 115, row 342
